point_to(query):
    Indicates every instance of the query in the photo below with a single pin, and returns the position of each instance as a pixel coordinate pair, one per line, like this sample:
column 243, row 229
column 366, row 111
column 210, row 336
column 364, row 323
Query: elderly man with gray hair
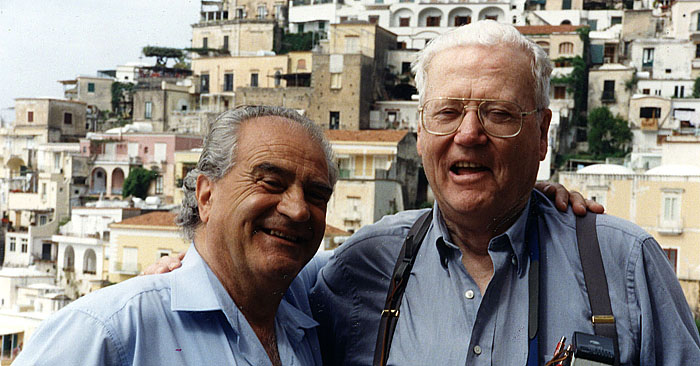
column 494, row 274
column 255, row 211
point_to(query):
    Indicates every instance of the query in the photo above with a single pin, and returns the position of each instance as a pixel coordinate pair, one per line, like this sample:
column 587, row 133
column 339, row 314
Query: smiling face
column 480, row 180
column 265, row 219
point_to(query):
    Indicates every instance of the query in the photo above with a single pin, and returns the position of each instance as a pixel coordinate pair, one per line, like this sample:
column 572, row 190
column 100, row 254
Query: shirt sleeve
column 669, row 335
column 71, row 337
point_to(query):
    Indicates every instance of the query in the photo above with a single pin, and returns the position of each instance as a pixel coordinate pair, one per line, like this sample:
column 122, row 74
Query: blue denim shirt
column 446, row 320
column 185, row 317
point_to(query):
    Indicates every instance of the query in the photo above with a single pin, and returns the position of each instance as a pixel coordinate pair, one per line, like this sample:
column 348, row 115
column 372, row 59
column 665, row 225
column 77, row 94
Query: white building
column 82, row 244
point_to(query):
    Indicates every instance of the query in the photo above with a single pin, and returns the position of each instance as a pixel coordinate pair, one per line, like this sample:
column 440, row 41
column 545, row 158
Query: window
column 648, row 57
column 566, row 5
column 225, row 46
column 615, row 20
column 67, row 118
column 254, row 79
column 593, row 24
column 697, row 50
column 321, row 25
column 334, row 123
column 239, row 13
column 698, row 25
column 13, row 244
column 400, row 45
column 373, row 19
column 404, row 21
column 352, row 44
column 608, row 91
column 30, row 116
column 672, row 207
column 204, row 83
column 91, row 87
column 645, row 91
column 609, row 53
column 261, row 11
column 130, row 259
column 300, row 28
column 164, row 253
column 432, row 21
column 159, row 184
column 381, row 162
column 672, row 255
column 649, row 112
column 301, row 64
column 205, row 42
column 544, row 45
column 405, row 67
column 278, row 78
column 566, row 48
column 228, row 82
column 559, row 92
column 462, row 20
column 336, row 80
column 679, row 91
column 148, row 110
column 24, row 242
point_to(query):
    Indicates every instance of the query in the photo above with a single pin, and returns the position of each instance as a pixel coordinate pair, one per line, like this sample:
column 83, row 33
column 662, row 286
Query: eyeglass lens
column 500, row 118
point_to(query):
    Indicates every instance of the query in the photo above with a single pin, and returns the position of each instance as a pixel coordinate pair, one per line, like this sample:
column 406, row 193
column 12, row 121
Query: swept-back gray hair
column 218, row 154
column 487, row 33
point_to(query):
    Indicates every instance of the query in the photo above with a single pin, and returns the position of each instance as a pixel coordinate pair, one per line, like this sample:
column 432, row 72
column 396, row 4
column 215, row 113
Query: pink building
column 112, row 156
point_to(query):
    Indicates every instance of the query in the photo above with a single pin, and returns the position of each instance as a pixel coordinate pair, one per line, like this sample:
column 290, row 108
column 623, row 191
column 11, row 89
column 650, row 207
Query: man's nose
column 470, row 130
column 293, row 205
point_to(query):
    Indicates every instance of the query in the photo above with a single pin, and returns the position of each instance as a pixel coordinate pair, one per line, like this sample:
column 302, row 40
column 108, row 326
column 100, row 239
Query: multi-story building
column 93, row 90
column 114, row 155
column 161, row 92
column 379, row 175
column 82, row 244
column 139, row 241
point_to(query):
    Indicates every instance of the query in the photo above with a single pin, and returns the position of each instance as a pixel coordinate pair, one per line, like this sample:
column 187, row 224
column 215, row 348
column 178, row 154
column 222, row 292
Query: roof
column 334, row 231
column 22, row 272
column 155, row 218
column 366, row 135
column 605, row 169
column 548, row 29
column 674, row 170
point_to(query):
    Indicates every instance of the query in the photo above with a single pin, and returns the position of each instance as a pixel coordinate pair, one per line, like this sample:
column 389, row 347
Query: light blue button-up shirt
column 445, row 319
column 185, row 317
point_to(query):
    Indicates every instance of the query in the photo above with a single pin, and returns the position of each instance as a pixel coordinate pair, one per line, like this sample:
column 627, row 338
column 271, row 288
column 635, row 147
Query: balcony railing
column 127, row 268
column 669, row 226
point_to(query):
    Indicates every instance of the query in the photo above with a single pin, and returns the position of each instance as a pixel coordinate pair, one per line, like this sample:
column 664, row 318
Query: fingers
column 556, row 193
column 165, row 264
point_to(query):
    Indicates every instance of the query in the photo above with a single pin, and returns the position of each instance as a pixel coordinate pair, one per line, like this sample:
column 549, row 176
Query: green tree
column 162, row 54
column 608, row 135
column 696, row 88
column 138, row 181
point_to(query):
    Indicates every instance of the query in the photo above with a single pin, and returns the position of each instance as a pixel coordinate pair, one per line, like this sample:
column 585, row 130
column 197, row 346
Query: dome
column 674, row 169
column 605, row 169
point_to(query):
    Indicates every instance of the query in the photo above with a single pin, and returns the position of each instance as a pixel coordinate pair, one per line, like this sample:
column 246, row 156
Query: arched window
column 566, row 48
column 89, row 262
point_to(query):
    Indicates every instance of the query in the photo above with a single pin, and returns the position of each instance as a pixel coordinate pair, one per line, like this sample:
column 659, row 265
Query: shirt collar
column 513, row 237
column 196, row 288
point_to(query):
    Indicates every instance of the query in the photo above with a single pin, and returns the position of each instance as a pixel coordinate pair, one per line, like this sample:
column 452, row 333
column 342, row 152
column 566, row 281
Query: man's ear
column 204, row 197
column 544, row 132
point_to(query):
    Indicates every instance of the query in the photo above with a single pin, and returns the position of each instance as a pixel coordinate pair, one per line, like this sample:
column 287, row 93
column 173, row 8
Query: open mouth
column 281, row 235
column 465, row 167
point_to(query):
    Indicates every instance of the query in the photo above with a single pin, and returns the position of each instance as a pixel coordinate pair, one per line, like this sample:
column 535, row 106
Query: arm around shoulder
column 71, row 337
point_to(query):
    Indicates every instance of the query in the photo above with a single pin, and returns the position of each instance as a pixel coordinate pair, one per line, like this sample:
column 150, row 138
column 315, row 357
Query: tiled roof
column 366, row 135
column 547, row 29
column 334, row 231
column 156, row 218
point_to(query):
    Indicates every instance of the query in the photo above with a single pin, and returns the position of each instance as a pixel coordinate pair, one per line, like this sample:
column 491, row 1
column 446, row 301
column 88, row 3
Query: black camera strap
column 596, row 281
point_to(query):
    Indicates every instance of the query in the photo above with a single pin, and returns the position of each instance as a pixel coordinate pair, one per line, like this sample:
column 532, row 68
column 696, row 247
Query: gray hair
column 487, row 33
column 218, row 154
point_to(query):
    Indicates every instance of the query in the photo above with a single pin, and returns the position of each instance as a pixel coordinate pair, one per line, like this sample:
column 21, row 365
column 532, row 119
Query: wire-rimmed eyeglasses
column 499, row 118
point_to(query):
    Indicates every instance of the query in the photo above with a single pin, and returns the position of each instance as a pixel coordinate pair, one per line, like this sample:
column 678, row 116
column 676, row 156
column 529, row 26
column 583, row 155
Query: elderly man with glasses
column 497, row 278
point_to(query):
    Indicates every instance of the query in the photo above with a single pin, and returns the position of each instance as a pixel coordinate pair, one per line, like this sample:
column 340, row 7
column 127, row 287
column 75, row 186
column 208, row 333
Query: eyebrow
column 270, row 168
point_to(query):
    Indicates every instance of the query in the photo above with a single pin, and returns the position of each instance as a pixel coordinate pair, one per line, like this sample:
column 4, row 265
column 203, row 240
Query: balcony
column 128, row 268
column 669, row 226
column 608, row 97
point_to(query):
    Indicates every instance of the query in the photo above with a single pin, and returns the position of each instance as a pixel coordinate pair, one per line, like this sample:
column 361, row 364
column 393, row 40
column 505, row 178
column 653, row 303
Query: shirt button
column 477, row 349
column 469, row 294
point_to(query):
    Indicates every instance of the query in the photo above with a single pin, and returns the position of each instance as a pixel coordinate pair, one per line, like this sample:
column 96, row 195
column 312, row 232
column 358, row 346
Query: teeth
column 464, row 164
column 282, row 235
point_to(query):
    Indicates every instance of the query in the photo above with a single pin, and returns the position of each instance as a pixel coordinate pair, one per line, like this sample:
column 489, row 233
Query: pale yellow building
column 664, row 201
column 185, row 161
column 137, row 242
column 379, row 175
